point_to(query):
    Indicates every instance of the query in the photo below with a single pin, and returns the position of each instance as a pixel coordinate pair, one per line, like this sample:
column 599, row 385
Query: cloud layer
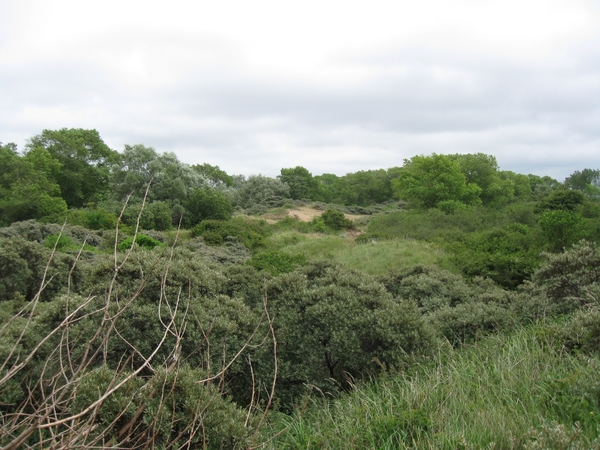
column 333, row 86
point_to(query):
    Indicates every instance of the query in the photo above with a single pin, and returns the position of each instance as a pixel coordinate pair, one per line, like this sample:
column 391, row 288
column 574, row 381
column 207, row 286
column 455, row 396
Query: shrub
column 469, row 321
column 334, row 326
column 22, row 267
column 566, row 278
column 276, row 262
column 561, row 228
column 208, row 203
column 249, row 232
column 336, row 220
column 429, row 287
column 141, row 239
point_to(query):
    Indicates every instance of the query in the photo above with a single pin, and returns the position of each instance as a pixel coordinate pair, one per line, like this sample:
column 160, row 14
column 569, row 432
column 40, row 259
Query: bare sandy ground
column 307, row 214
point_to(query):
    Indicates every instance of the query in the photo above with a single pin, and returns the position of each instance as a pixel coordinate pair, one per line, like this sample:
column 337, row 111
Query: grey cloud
column 535, row 116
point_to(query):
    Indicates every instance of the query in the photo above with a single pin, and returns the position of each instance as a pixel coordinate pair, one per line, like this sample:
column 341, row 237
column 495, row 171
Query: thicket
column 153, row 318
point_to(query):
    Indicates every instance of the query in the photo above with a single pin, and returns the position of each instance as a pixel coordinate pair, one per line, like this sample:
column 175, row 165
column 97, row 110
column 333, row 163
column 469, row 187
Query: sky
column 334, row 86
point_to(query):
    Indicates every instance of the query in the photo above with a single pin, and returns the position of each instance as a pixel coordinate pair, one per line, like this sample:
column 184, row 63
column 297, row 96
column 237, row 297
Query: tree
column 28, row 189
column 579, row 180
column 482, row 170
column 260, row 190
column 586, row 181
column 172, row 180
column 518, row 184
column 85, row 163
column 561, row 200
column 214, row 175
column 328, row 188
column 301, row 182
column 207, row 203
column 541, row 186
column 428, row 180
column 561, row 228
column 367, row 187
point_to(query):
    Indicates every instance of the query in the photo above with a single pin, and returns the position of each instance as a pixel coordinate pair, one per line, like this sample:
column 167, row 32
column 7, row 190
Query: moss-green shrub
column 249, row 232
column 469, row 321
column 276, row 262
column 22, row 266
column 140, row 239
column 334, row 326
column 336, row 220
column 432, row 288
column 565, row 278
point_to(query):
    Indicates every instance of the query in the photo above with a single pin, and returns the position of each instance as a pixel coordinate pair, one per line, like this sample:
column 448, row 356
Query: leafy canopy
column 428, row 180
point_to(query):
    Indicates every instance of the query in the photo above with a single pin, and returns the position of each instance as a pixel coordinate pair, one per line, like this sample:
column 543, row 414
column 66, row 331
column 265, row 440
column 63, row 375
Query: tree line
column 73, row 169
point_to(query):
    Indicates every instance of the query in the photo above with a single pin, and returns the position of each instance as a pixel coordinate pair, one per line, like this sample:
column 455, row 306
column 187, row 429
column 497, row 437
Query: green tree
column 541, row 186
column 561, row 228
column 580, row 179
column 85, row 163
column 214, row 175
column 367, row 187
column 172, row 180
column 207, row 203
column 260, row 190
column 28, row 189
column 561, row 200
column 482, row 170
column 428, row 180
column 301, row 182
column 518, row 183
column 328, row 188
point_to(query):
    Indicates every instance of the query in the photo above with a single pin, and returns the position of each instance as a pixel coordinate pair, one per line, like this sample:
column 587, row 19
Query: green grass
column 378, row 258
column 506, row 392
column 372, row 258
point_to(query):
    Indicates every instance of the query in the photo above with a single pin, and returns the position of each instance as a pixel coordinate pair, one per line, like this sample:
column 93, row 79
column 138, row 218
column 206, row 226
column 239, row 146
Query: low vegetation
column 147, row 303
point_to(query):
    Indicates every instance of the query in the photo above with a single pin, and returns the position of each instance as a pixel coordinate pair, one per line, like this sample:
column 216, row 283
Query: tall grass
column 503, row 393
column 372, row 258
column 378, row 258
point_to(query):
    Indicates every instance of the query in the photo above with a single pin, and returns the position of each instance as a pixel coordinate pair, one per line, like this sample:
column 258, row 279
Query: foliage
column 582, row 179
column 259, row 190
column 140, row 239
column 565, row 278
column 336, row 220
column 429, row 180
column 214, row 175
column 561, row 200
column 85, row 163
column 250, row 232
column 276, row 262
column 482, row 170
column 140, row 166
column 335, row 326
column 28, row 187
column 507, row 255
column 362, row 188
column 502, row 392
column 23, row 266
column 542, row 186
column 471, row 321
column 207, row 203
column 301, row 182
column 561, row 228
column 91, row 218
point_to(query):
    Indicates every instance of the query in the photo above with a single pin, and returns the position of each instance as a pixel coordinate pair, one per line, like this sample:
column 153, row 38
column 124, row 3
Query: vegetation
column 148, row 303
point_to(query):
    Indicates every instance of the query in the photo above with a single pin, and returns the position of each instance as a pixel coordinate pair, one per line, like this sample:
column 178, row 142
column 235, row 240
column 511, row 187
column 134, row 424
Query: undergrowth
column 507, row 391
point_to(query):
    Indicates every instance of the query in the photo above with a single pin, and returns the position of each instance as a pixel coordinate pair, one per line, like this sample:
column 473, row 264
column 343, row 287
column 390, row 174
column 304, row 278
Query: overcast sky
column 334, row 86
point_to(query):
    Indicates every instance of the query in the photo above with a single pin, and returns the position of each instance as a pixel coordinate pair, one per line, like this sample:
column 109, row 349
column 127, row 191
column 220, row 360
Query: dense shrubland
column 149, row 303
